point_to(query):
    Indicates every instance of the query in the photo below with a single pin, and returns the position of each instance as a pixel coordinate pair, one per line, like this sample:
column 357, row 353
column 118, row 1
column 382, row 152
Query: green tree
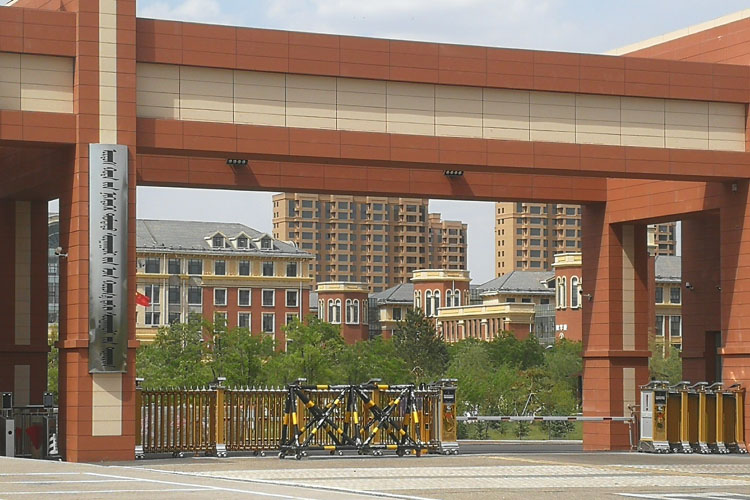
column 237, row 354
column 53, row 361
column 665, row 363
column 506, row 349
column 177, row 358
column 376, row 358
column 420, row 346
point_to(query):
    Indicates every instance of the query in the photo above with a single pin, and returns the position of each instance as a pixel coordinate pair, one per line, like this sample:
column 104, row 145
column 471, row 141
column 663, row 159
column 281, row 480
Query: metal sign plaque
column 108, row 257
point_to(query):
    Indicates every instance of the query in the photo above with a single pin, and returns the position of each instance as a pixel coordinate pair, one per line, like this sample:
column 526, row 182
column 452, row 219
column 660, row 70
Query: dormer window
column 218, row 241
column 242, row 242
column 265, row 244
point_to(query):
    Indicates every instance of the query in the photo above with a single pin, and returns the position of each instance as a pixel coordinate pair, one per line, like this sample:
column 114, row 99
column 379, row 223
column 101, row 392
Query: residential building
column 218, row 269
column 345, row 304
column 528, row 235
column 53, row 270
column 379, row 241
column 569, row 296
column 391, row 306
column 668, row 300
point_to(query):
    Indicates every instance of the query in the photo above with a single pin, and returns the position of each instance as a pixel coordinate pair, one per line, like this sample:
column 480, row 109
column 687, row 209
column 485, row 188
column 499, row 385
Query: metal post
column 218, row 412
column 139, row 427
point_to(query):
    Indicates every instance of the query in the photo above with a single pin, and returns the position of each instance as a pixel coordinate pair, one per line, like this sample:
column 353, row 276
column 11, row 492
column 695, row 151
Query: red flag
column 142, row 300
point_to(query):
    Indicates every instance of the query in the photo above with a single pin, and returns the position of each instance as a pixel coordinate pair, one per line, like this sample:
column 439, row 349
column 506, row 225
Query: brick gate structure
column 636, row 140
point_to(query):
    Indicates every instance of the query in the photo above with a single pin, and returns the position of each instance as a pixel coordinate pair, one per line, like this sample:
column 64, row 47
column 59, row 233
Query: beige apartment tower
column 375, row 240
column 528, row 235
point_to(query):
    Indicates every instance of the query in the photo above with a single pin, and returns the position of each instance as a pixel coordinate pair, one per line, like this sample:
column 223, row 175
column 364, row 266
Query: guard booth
column 653, row 428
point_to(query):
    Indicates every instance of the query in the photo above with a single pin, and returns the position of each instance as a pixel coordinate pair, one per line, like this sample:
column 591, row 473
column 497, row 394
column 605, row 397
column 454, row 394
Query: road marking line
column 85, row 492
column 59, row 481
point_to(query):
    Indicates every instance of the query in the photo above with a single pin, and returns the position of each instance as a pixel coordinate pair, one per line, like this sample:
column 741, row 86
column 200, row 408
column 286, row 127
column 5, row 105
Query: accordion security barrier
column 369, row 418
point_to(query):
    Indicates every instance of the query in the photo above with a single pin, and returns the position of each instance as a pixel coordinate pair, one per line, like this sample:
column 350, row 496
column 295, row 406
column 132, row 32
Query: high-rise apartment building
column 375, row 240
column 528, row 235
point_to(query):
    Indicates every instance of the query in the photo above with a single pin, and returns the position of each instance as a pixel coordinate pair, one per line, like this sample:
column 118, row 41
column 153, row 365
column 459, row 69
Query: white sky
column 592, row 26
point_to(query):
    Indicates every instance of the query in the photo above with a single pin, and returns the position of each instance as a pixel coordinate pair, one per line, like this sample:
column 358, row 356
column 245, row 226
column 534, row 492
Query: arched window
column 417, row 300
column 436, row 301
column 355, row 312
column 331, row 313
column 448, row 298
column 456, row 297
column 322, row 309
column 574, row 288
column 563, row 292
column 348, row 311
column 337, row 312
column 428, row 303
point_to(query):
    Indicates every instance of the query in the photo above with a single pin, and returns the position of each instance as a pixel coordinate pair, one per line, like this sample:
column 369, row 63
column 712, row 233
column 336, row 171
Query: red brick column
column 735, row 290
column 701, row 305
column 615, row 324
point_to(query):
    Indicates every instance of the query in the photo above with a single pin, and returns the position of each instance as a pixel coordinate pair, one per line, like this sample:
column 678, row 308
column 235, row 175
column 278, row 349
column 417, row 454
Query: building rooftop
column 527, row 282
column 399, row 294
column 668, row 268
column 192, row 236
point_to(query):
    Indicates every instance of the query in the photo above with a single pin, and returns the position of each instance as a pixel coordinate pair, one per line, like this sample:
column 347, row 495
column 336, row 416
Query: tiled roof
column 668, row 268
column 399, row 294
column 191, row 236
column 528, row 282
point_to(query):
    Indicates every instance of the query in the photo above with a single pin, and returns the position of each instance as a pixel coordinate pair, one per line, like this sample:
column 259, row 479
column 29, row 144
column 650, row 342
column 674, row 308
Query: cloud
column 204, row 11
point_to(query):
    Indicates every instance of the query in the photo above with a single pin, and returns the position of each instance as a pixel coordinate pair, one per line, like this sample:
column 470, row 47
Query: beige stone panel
column 376, row 101
column 214, row 103
column 685, row 106
column 106, row 428
column 161, row 71
column 108, row 383
column 506, row 108
column 598, row 101
column 726, row 134
column 327, row 111
column 362, row 86
column 629, row 394
column 259, row 106
column 553, row 124
column 411, row 116
column 598, row 114
column 726, row 108
column 399, row 102
column 396, row 127
column 107, row 21
column 310, row 82
column 11, row 103
column 410, row 89
column 208, row 89
column 683, row 143
column 307, row 121
column 514, row 134
column 171, row 113
column 259, row 78
column 537, row 111
column 458, row 92
column 361, row 125
column 642, row 116
column 314, row 96
column 642, row 104
column 457, row 131
column 648, row 129
column 46, row 78
column 686, row 119
column 553, row 98
column 263, row 92
column 46, row 105
column 107, row 107
column 10, row 60
column 21, row 385
column 48, row 63
column 686, row 132
column 108, row 6
column 270, row 120
column 10, row 89
column 597, row 126
column 108, row 49
column 107, row 79
column 10, row 68
column 205, row 115
column 458, row 118
column 505, row 95
column 190, row 73
column 593, row 138
column 158, row 85
column 506, row 121
column 361, row 113
column 552, row 136
column 727, row 121
column 723, row 145
column 443, row 105
column 159, row 99
column 642, row 141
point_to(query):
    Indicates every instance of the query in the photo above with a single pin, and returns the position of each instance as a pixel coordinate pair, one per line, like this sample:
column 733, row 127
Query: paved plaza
column 484, row 474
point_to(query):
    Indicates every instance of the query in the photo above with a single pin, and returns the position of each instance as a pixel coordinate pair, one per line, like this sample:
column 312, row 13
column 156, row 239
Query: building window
column 244, row 268
column 173, row 295
column 220, row 267
column 268, row 269
column 243, row 320
column 242, row 242
column 659, row 293
column 675, row 326
column 448, row 298
column 218, row 241
column 153, row 314
column 291, row 298
column 269, row 298
column 334, row 311
column 220, row 296
column 265, row 243
column 352, row 312
column 152, row 265
column 291, row 269
column 195, row 297
column 436, row 302
column 220, row 317
column 174, row 317
column 269, row 322
column 290, row 317
column 456, row 297
column 195, row 266
column 243, row 296
column 321, row 310
column 173, row 266
column 396, row 314
column 574, row 290
column 674, row 295
column 417, row 300
column 562, row 284
column 428, row 303
column 659, row 330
